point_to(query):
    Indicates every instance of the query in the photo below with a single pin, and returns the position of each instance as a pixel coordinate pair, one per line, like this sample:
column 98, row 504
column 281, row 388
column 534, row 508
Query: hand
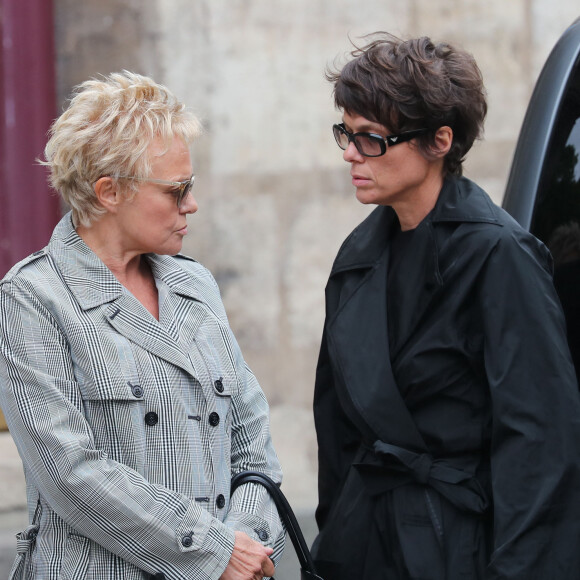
column 250, row 560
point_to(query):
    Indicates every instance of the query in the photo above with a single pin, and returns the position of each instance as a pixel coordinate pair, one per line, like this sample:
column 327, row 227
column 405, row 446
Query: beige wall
column 274, row 194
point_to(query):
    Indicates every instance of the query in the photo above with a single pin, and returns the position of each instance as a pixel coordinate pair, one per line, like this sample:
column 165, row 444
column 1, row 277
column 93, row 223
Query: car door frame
column 539, row 125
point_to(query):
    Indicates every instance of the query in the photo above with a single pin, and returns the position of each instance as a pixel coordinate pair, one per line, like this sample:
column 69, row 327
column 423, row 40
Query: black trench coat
column 458, row 456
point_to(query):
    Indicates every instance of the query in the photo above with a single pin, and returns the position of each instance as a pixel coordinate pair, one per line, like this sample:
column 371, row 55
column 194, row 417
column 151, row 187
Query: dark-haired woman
column 446, row 403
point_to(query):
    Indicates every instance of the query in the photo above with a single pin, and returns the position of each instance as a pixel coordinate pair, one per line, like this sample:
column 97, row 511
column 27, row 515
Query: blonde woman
column 122, row 384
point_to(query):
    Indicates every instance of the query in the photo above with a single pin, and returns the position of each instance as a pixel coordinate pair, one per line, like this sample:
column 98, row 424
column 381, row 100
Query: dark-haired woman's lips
column 359, row 180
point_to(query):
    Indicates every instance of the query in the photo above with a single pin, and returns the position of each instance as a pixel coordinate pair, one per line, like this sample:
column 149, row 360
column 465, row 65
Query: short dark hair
column 411, row 84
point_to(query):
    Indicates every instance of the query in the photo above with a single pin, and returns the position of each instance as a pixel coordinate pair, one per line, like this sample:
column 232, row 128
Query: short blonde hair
column 106, row 130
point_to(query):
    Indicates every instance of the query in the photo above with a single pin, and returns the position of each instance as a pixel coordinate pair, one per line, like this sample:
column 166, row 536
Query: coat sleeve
column 535, row 452
column 149, row 525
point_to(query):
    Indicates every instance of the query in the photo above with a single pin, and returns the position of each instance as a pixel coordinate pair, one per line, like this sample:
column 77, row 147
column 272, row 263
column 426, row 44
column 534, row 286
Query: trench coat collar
column 92, row 283
column 460, row 200
column 357, row 327
column 94, row 286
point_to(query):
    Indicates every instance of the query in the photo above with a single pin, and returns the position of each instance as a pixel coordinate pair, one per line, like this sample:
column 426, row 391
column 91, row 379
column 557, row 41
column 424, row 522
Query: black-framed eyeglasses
column 179, row 190
column 371, row 144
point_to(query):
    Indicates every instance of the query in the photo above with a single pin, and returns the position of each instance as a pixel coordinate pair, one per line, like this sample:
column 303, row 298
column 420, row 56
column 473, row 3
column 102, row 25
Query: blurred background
column 274, row 193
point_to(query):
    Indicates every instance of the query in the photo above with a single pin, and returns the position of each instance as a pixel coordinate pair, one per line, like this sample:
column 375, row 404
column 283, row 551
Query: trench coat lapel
column 358, row 338
column 94, row 286
column 460, row 201
column 357, row 324
column 137, row 325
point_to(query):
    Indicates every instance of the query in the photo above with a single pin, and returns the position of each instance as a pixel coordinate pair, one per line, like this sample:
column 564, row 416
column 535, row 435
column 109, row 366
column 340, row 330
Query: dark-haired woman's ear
column 442, row 142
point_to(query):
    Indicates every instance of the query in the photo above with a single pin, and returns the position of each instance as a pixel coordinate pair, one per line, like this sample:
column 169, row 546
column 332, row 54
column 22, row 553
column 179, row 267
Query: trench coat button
column 220, row 501
column 187, row 541
column 151, row 419
column 137, row 390
column 262, row 534
column 219, row 386
column 214, row 419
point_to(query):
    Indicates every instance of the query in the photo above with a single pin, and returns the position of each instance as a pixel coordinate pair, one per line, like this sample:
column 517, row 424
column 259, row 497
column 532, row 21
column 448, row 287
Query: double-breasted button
column 262, row 534
column 151, row 418
column 214, row 419
column 137, row 390
column 220, row 501
column 187, row 541
column 219, row 386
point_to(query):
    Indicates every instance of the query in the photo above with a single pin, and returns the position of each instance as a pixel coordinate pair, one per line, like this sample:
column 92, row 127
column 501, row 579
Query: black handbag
column 307, row 569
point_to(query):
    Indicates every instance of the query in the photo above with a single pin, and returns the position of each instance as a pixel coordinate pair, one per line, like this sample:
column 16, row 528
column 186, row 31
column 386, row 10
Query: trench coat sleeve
column 108, row 502
column 535, row 416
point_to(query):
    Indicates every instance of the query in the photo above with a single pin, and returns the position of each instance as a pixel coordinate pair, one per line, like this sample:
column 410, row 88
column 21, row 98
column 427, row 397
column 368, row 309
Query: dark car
column 543, row 189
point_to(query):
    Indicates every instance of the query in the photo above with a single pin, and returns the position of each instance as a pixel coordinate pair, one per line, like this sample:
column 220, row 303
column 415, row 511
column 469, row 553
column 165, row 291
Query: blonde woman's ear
column 107, row 192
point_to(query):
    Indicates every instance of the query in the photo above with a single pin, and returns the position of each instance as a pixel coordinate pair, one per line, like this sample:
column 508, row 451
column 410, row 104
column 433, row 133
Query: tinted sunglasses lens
column 184, row 190
column 369, row 146
column 340, row 136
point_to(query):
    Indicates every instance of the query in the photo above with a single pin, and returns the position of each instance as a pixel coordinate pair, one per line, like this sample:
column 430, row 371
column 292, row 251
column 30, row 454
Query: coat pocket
column 75, row 562
column 25, row 542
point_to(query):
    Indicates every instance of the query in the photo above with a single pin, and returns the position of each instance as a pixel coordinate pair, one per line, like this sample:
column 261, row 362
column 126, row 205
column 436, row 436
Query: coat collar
column 94, row 286
column 92, row 283
column 357, row 321
column 460, row 200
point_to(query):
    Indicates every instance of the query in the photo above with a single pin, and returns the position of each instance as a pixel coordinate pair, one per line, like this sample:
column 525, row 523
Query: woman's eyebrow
column 366, row 128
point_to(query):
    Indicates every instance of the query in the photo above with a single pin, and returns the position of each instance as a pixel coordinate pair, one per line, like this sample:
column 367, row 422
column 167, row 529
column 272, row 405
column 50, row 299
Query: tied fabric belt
column 389, row 466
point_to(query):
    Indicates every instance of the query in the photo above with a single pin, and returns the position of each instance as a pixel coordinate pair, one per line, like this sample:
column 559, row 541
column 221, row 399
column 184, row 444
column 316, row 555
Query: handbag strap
column 286, row 515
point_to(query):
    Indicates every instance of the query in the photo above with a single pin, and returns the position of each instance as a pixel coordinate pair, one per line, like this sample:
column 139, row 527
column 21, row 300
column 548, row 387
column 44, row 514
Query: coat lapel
column 94, row 286
column 359, row 344
column 136, row 324
column 357, row 323
column 358, row 336
column 460, row 201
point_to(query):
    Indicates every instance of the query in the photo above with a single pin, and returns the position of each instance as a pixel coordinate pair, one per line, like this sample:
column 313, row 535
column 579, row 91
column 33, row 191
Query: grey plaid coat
column 130, row 428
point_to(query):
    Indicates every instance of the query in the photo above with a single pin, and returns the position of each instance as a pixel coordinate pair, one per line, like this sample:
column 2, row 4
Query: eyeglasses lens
column 365, row 144
column 184, row 190
column 368, row 145
column 340, row 136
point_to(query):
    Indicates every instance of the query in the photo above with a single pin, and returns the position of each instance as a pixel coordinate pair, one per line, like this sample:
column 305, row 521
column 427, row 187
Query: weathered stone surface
column 99, row 37
column 295, row 441
column 12, row 485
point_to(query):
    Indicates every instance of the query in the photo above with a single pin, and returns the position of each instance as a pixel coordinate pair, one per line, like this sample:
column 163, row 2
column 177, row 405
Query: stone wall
column 274, row 194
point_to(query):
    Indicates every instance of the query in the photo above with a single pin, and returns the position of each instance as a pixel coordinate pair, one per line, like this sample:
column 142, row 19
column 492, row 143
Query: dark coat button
column 220, row 501
column 214, row 419
column 151, row 419
column 186, row 541
column 219, row 386
column 262, row 534
column 136, row 390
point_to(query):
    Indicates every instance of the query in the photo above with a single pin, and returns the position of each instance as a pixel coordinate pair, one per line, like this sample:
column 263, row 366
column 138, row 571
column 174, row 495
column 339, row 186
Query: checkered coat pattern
column 129, row 428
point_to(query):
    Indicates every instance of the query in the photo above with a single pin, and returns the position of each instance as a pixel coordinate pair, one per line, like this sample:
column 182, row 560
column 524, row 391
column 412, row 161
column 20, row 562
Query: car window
column 556, row 217
column 558, row 198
